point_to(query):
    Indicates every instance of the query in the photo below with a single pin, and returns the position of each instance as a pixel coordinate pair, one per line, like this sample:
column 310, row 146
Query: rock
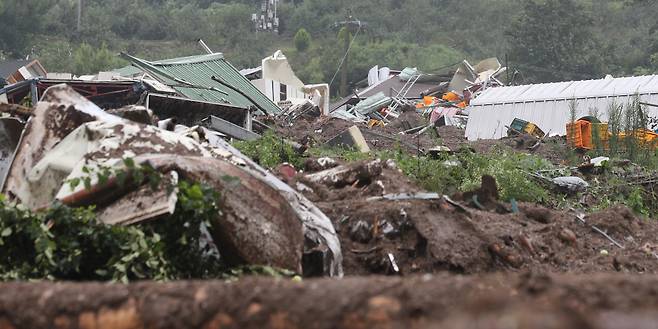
column 361, row 232
column 567, row 236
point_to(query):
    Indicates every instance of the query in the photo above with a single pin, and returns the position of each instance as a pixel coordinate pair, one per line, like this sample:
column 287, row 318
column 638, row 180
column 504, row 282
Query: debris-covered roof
column 207, row 78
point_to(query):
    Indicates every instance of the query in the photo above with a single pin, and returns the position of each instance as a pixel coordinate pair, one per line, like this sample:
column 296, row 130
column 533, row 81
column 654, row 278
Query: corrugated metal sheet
column 192, row 77
column 547, row 104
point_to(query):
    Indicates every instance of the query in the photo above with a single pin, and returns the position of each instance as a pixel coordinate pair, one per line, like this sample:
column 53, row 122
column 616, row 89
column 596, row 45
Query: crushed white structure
column 548, row 105
column 276, row 79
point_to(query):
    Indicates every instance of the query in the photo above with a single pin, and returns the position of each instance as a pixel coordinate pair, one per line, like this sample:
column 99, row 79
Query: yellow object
column 580, row 134
column 374, row 122
column 533, row 130
column 461, row 105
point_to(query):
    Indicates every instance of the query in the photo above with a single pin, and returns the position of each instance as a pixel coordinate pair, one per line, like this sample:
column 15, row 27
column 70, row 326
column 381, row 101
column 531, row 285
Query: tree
column 87, row 60
column 553, row 40
column 302, row 40
column 19, row 22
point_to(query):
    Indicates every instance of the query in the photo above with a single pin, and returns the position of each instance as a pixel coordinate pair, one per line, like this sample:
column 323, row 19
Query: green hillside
column 542, row 40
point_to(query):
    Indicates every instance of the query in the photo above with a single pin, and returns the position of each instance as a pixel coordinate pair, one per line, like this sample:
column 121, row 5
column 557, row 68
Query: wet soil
column 431, row 236
column 553, row 149
column 317, row 131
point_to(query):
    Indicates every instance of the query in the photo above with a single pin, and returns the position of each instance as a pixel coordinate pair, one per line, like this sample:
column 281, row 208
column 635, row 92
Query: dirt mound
column 319, row 131
column 427, row 236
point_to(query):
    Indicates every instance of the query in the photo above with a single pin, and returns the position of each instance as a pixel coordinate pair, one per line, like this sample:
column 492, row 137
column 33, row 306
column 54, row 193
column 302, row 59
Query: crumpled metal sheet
column 142, row 204
column 11, row 130
column 265, row 221
column 60, row 111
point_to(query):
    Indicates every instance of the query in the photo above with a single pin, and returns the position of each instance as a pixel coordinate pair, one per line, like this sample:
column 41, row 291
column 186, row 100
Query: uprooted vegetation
column 71, row 244
column 521, row 176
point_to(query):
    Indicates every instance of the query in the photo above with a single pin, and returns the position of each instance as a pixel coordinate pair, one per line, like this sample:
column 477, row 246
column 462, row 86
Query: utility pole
column 79, row 25
column 351, row 26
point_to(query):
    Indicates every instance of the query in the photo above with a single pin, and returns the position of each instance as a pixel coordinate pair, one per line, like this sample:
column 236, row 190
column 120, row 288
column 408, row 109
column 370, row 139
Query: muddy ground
column 320, row 130
column 502, row 300
column 317, row 131
column 431, row 236
column 431, row 263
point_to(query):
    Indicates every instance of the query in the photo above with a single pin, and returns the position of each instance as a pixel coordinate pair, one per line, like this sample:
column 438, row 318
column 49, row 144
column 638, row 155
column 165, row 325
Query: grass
column 463, row 170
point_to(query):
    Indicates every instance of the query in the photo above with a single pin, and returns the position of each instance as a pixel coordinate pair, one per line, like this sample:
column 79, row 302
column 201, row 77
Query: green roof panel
column 192, row 77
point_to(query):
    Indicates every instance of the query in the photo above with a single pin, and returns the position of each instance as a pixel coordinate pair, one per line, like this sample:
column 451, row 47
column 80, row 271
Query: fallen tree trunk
column 443, row 301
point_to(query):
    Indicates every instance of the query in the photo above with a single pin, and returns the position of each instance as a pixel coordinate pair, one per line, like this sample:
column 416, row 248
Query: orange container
column 451, row 97
column 579, row 134
column 428, row 100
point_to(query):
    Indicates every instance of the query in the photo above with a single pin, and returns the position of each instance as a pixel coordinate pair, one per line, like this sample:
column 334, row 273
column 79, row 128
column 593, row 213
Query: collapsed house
column 106, row 94
column 276, row 79
column 14, row 71
column 391, row 82
column 195, row 90
column 550, row 104
column 208, row 78
column 437, row 96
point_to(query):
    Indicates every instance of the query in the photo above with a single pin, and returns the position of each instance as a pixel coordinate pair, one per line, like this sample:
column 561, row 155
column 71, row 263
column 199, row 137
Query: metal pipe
column 205, row 46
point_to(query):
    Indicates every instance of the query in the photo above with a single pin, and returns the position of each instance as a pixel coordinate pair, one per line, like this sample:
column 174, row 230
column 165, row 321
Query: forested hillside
column 544, row 40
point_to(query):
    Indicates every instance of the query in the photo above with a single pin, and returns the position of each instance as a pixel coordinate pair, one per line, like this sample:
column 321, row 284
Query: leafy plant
column 71, row 244
column 270, row 150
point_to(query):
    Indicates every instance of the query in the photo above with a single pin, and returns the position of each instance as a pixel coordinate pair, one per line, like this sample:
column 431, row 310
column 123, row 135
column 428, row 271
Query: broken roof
column 196, row 77
column 9, row 67
column 390, row 87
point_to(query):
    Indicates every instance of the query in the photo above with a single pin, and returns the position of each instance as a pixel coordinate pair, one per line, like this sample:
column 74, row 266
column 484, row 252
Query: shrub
column 302, row 40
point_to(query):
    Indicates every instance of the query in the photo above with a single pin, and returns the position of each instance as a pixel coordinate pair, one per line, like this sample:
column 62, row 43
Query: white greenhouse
column 548, row 105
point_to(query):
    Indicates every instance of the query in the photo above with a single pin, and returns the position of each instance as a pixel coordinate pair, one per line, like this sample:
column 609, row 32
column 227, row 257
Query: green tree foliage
column 20, row 23
column 89, row 60
column 553, row 40
column 302, row 40
column 545, row 39
column 71, row 244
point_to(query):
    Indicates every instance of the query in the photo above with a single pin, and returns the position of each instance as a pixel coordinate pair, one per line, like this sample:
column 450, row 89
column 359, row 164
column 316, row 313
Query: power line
column 348, row 48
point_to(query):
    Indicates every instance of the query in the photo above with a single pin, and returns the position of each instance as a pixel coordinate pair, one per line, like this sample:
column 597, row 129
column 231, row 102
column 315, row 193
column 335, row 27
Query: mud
column 525, row 300
column 315, row 132
column 553, row 149
column 432, row 236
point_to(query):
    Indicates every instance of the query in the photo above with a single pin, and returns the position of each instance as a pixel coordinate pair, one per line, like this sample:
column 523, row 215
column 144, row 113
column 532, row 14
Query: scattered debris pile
column 442, row 99
column 69, row 140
